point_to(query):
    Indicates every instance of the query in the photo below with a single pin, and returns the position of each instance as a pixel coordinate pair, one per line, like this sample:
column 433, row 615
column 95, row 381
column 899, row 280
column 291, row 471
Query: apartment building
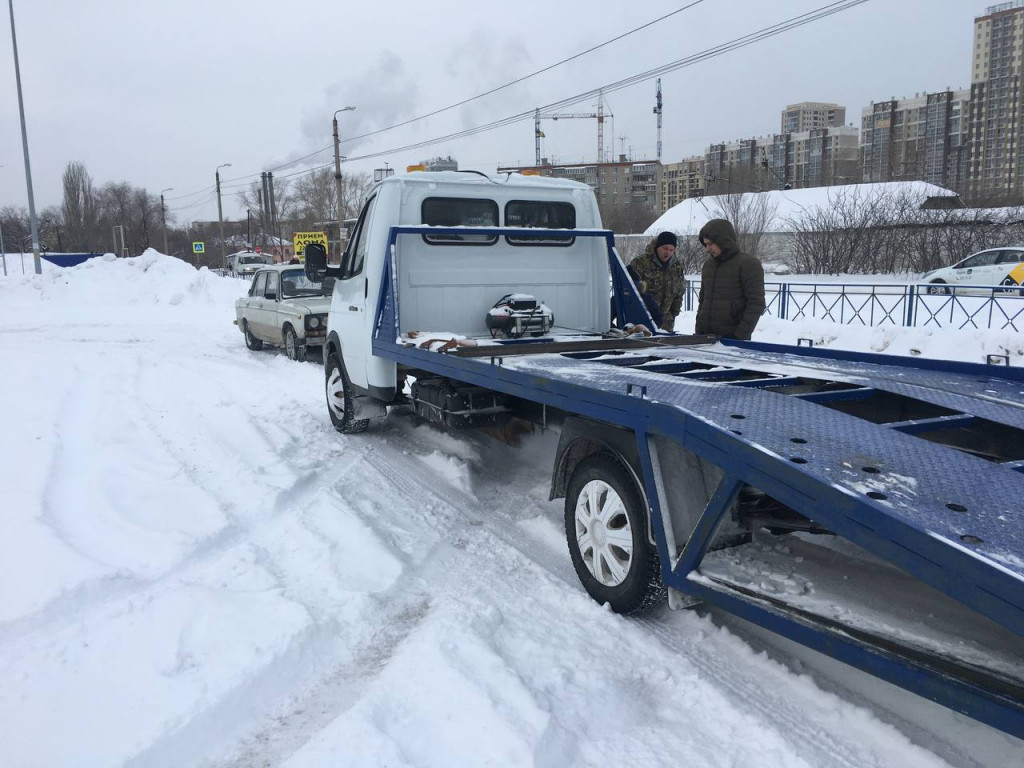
column 812, row 158
column 811, row 115
column 996, row 128
column 921, row 138
column 682, row 180
column 615, row 184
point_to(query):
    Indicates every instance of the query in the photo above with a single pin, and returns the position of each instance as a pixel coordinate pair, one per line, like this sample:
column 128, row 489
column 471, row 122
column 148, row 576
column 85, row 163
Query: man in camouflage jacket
column 659, row 268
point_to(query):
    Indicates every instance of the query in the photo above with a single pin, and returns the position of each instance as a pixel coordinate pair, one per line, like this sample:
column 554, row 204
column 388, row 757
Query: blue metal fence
column 911, row 306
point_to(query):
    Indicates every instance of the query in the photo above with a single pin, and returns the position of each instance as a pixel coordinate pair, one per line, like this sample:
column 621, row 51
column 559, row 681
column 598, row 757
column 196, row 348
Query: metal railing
column 916, row 305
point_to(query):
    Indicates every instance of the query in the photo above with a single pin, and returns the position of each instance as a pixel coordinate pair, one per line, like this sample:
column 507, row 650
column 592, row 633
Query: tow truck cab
column 449, row 282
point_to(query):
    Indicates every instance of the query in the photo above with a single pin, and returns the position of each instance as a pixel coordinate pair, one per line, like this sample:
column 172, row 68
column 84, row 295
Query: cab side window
column 1011, row 257
column 355, row 255
column 259, row 284
column 272, row 286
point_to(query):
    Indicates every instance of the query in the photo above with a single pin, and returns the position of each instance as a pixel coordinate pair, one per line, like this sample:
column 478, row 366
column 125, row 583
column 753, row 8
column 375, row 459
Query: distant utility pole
column 220, row 217
column 24, row 142
column 163, row 216
column 657, row 111
column 337, row 172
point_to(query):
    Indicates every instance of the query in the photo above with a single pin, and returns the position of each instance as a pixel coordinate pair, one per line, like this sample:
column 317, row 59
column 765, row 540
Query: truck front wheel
column 606, row 529
column 339, row 399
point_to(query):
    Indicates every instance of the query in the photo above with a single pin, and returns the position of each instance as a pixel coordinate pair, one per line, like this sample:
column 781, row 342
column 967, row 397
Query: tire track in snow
column 75, row 605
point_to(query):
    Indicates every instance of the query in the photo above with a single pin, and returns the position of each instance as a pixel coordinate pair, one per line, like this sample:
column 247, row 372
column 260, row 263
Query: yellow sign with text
column 302, row 239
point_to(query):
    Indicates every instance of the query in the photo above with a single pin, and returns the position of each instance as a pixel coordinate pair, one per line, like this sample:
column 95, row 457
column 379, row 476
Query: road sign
column 302, row 239
column 198, row 247
column 257, row 249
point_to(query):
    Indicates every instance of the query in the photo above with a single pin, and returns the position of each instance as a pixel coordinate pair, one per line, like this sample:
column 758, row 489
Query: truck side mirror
column 316, row 262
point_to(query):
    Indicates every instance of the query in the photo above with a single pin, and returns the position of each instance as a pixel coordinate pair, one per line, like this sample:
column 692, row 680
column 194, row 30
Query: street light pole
column 337, row 170
column 220, row 217
column 24, row 143
column 163, row 215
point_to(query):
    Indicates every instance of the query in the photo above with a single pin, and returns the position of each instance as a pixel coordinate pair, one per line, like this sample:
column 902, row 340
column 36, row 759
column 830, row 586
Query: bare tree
column 16, row 230
column 751, row 215
column 79, row 208
column 627, row 218
column 50, row 224
column 284, row 203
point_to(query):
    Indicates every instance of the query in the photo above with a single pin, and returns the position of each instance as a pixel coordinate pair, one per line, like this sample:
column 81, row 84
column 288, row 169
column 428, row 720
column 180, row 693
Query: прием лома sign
column 302, row 239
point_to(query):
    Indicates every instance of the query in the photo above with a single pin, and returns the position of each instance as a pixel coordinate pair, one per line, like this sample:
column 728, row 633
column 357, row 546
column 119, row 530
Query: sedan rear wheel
column 251, row 341
column 938, row 286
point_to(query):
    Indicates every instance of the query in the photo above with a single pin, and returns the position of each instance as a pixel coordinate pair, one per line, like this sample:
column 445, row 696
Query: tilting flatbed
column 867, row 506
column 916, row 464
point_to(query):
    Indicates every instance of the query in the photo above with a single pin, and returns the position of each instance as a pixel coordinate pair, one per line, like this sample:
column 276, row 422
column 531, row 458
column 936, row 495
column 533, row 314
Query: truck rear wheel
column 606, row 529
column 340, row 405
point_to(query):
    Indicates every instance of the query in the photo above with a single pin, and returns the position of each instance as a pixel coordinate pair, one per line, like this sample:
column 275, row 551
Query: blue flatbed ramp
column 919, row 463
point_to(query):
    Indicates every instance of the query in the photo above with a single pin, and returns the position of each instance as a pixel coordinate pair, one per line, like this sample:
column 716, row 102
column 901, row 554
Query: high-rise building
column 808, row 115
column 996, row 131
column 682, row 180
column 441, row 164
column 811, row 158
column 922, row 138
column 618, row 184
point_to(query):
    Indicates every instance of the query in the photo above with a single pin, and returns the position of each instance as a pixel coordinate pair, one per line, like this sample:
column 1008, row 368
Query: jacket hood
column 721, row 233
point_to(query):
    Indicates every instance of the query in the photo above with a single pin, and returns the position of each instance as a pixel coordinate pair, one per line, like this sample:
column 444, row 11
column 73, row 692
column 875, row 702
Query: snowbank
column 196, row 569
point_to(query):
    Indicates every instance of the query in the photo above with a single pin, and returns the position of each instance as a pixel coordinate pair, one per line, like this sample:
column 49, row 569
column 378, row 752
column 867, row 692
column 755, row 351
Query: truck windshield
column 295, row 283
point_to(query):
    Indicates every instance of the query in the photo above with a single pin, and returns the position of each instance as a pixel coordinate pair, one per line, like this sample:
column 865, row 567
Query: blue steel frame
column 997, row 593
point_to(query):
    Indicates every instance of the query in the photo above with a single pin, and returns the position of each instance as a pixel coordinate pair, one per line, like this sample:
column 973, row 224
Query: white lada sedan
column 284, row 309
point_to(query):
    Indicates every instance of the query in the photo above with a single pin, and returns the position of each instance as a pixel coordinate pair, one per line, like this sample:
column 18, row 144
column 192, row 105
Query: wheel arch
column 332, row 346
column 582, row 438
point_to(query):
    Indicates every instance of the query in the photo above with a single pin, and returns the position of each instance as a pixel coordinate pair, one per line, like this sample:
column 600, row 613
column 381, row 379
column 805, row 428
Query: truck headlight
column 314, row 322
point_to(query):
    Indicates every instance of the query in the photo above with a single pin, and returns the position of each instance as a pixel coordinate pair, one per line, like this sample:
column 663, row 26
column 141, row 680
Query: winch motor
column 518, row 314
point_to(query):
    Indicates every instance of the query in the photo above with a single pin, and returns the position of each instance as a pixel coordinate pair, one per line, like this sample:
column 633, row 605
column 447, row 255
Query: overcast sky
column 160, row 94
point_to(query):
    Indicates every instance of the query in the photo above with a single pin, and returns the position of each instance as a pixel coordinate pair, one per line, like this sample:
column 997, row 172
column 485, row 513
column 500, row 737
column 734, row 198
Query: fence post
column 783, row 295
column 911, row 292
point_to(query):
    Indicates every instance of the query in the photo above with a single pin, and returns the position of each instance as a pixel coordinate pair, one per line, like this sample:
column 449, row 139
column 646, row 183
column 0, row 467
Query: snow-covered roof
column 693, row 213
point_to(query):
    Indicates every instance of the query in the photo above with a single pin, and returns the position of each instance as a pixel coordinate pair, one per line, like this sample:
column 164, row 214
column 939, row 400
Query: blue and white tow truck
column 868, row 506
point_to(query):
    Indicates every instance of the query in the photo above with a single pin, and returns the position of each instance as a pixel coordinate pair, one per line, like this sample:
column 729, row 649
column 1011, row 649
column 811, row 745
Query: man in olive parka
column 659, row 268
column 731, row 296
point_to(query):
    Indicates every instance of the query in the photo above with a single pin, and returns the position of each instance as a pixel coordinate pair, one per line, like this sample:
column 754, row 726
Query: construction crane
column 538, row 134
column 657, row 111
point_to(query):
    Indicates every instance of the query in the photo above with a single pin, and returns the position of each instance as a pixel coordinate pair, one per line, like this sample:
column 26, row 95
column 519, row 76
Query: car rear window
column 459, row 212
column 541, row 214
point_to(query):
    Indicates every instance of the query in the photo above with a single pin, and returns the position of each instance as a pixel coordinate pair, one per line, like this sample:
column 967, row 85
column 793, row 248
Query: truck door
column 351, row 307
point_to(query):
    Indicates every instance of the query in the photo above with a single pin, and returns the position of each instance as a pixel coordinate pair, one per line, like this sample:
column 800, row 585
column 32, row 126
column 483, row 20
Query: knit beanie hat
column 666, row 238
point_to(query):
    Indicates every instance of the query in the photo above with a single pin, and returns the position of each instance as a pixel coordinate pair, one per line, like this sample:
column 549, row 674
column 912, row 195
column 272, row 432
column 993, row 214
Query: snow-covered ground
column 197, row 570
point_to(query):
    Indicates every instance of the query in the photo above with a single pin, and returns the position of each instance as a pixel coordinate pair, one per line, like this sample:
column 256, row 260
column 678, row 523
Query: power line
column 526, row 77
column 464, row 101
column 710, row 53
column 735, row 44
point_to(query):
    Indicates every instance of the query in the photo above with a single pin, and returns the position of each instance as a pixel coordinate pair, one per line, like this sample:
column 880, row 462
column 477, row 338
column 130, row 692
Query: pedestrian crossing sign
column 198, row 247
